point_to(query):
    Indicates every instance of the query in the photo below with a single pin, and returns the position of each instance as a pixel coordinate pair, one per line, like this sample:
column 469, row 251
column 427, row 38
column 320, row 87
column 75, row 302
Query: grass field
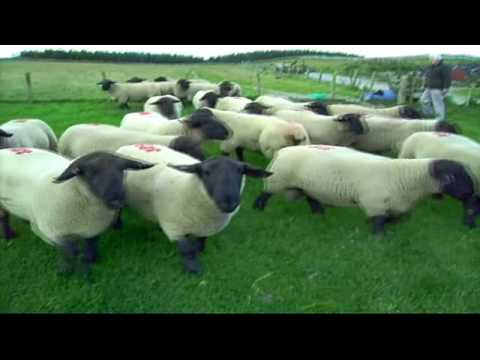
column 282, row 261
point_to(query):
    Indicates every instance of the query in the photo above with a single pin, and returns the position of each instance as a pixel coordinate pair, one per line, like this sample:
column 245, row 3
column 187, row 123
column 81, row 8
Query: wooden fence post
column 469, row 98
column 259, row 81
column 28, row 79
column 412, row 89
column 402, row 92
column 355, row 78
column 372, row 81
column 104, row 76
column 334, row 85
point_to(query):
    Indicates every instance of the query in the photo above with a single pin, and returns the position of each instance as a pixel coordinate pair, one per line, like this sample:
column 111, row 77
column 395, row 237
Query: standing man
column 437, row 85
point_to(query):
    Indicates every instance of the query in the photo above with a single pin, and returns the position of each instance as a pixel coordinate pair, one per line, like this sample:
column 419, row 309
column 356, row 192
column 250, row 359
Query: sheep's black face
column 444, row 126
column 408, row 112
column 255, row 108
column 225, row 88
column 106, row 84
column 453, row 178
column 184, row 84
column 318, row 108
column 103, row 173
column 208, row 125
column 166, row 105
column 210, row 99
column 354, row 123
column 222, row 178
column 135, row 80
column 3, row 135
column 188, row 146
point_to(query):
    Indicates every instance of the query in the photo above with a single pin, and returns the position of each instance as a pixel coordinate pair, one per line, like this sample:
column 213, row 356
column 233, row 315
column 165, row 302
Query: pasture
column 284, row 260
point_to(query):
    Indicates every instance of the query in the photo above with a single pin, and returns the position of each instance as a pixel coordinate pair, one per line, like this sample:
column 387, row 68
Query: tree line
column 76, row 55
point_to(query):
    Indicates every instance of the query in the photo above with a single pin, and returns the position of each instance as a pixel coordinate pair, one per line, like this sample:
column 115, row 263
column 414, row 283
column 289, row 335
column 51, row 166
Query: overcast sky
column 214, row 50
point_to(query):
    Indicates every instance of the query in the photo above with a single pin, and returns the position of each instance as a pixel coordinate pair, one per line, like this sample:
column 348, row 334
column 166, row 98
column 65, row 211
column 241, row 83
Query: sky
column 215, row 50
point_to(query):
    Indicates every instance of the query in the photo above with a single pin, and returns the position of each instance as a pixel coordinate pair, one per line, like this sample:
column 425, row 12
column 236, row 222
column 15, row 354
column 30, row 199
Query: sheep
column 81, row 139
column 186, row 89
column 438, row 145
column 258, row 132
column 64, row 201
column 27, row 133
column 327, row 130
column 209, row 98
column 200, row 125
column 125, row 92
column 190, row 200
column 341, row 176
column 167, row 105
column 228, row 88
column 269, row 105
column 400, row 111
column 387, row 134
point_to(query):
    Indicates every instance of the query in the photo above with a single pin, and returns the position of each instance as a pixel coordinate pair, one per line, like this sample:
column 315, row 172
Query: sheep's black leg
column 189, row 252
column 315, row 206
column 118, row 224
column 70, row 254
column 201, row 243
column 90, row 255
column 468, row 215
column 262, row 201
column 124, row 106
column 379, row 224
column 239, row 152
column 8, row 232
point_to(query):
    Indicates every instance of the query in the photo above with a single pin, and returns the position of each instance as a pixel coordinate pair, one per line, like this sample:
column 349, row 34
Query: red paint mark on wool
column 21, row 151
column 323, row 147
column 145, row 113
column 148, row 148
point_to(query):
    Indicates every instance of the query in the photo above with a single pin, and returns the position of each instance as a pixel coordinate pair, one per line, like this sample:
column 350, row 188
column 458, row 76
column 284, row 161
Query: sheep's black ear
column 136, row 165
column 192, row 169
column 5, row 134
column 254, row 171
column 72, row 171
column 175, row 101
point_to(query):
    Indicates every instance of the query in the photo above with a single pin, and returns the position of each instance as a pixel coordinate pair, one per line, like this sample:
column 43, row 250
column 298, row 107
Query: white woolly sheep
column 200, row 125
column 81, row 139
column 400, row 111
column 125, row 92
column 186, row 89
column 438, row 145
column 229, row 88
column 33, row 133
column 269, row 105
column 64, row 201
column 168, row 106
column 340, row 176
column 388, row 134
column 328, row 130
column 190, row 200
column 258, row 132
column 209, row 98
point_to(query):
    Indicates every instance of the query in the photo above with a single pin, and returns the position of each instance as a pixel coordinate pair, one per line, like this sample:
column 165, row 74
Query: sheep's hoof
column 200, row 244
column 192, row 266
column 118, row 225
column 261, row 201
column 91, row 259
column 437, row 196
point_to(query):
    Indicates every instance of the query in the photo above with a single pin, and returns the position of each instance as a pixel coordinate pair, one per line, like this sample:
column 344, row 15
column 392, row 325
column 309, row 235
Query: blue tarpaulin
column 381, row 95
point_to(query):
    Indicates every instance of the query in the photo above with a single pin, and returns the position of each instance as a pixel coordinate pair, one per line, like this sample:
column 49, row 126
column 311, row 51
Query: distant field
column 282, row 261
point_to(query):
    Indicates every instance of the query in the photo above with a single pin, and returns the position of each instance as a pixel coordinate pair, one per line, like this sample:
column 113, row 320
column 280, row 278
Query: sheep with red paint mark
column 33, row 133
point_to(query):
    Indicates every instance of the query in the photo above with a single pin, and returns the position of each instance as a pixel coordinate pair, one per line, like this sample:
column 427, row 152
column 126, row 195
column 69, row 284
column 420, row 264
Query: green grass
column 282, row 261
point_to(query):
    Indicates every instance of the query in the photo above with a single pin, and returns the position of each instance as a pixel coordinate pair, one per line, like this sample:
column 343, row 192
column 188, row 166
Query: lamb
column 190, row 200
column 341, row 176
column 327, row 130
column 167, row 105
column 388, row 134
column 438, row 145
column 209, row 98
column 186, row 89
column 400, row 111
column 228, row 88
column 125, row 92
column 269, row 105
column 258, row 132
column 64, row 201
column 200, row 125
column 81, row 139
column 33, row 133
